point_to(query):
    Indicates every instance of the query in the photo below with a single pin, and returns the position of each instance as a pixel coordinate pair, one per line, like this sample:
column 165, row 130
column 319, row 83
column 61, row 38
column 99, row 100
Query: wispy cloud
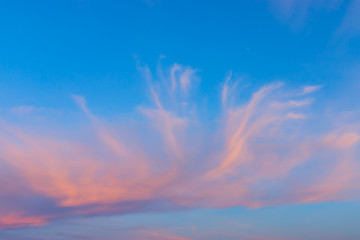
column 295, row 12
column 310, row 89
column 350, row 24
column 176, row 157
column 29, row 109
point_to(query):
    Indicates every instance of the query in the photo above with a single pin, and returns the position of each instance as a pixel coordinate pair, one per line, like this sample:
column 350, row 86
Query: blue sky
column 91, row 48
column 168, row 119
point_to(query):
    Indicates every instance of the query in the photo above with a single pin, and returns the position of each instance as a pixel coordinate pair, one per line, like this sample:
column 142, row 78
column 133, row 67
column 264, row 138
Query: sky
column 180, row 120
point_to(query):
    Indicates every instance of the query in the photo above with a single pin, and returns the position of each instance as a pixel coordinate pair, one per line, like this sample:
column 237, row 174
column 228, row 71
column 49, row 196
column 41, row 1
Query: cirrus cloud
column 253, row 154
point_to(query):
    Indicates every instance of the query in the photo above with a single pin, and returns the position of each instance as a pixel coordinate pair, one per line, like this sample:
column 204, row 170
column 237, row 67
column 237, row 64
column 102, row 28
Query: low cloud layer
column 168, row 155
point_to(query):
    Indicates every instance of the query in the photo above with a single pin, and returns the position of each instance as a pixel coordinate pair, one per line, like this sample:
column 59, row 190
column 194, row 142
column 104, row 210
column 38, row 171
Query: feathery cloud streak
column 258, row 153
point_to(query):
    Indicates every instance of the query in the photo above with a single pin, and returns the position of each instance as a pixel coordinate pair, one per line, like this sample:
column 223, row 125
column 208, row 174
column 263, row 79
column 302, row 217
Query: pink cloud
column 174, row 156
column 15, row 220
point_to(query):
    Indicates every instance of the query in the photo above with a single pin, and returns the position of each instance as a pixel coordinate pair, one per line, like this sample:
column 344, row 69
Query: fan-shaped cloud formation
column 257, row 153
